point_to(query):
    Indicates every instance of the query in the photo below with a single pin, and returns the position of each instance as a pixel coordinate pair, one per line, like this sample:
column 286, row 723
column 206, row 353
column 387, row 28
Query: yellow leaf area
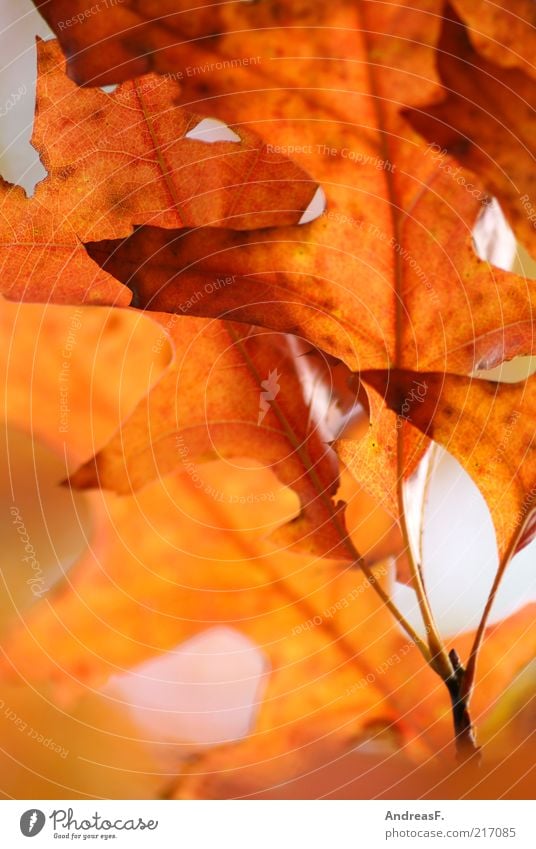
column 181, row 557
column 69, row 375
column 185, row 553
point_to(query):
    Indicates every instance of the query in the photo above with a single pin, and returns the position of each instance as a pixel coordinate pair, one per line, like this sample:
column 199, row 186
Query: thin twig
column 430, row 469
column 469, row 678
column 391, row 606
column 464, row 734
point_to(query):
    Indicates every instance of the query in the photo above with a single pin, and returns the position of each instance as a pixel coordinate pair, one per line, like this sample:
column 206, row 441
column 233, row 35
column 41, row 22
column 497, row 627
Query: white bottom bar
column 269, row 824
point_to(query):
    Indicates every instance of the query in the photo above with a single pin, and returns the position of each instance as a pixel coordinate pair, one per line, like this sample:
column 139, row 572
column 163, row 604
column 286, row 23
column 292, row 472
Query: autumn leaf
column 232, row 392
column 201, row 561
column 372, row 456
column 204, row 566
column 136, row 156
column 128, row 158
column 68, row 766
column 487, row 426
column 133, row 38
column 372, row 766
column 388, row 274
column 70, row 375
column 385, row 280
column 487, row 119
column 42, row 260
column 371, row 769
column 341, row 673
column 503, row 31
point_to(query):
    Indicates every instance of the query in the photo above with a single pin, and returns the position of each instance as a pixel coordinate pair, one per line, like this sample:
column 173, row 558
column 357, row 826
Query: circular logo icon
column 31, row 822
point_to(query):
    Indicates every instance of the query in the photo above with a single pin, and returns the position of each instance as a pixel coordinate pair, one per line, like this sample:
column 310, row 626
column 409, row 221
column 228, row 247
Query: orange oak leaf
column 384, row 456
column 488, row 427
column 372, row 768
column 178, row 558
column 42, row 259
column 487, row 120
column 69, row 375
column 136, row 156
column 387, row 274
column 339, row 673
column 131, row 157
column 338, row 663
column 134, row 37
column 385, row 278
column 232, row 392
column 53, row 357
column 200, row 562
column 375, row 765
column 362, row 428
column 372, row 455
column 76, row 738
